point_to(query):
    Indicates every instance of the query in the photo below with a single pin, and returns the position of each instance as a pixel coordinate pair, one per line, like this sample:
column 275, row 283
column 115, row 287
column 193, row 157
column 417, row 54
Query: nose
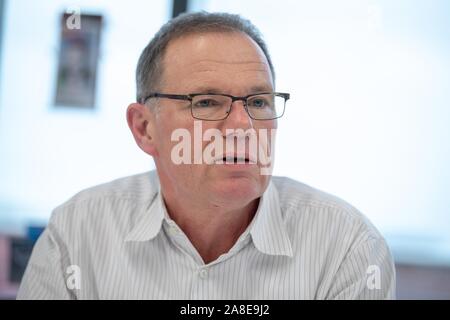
column 238, row 116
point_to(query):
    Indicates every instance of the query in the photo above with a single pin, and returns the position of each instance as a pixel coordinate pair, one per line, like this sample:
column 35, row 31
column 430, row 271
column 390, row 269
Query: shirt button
column 203, row 273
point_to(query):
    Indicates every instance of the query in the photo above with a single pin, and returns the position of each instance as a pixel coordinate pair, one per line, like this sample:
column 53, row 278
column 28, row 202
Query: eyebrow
column 214, row 90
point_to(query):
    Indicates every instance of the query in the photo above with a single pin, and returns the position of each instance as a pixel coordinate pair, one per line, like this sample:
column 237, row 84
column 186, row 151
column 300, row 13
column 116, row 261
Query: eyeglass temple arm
column 163, row 95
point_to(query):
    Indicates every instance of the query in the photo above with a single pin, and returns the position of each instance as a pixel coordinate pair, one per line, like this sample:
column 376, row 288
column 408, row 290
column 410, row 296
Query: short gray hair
column 149, row 68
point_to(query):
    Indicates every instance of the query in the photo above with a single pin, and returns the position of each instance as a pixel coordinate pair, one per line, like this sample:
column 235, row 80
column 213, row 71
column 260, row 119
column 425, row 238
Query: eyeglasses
column 214, row 107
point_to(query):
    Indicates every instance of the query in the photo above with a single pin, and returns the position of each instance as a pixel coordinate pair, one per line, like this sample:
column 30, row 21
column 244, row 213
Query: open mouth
column 235, row 160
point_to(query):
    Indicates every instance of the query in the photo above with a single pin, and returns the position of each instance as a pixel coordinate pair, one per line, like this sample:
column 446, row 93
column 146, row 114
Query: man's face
column 229, row 63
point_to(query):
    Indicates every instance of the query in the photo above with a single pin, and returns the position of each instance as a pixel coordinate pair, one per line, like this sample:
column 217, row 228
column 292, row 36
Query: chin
column 240, row 189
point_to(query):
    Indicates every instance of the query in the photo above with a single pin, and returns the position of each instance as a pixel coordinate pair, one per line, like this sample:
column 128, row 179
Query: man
column 215, row 224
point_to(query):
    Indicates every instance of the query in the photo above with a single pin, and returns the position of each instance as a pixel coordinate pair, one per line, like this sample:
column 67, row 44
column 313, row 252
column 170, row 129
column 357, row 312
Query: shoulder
column 302, row 204
column 136, row 187
column 114, row 200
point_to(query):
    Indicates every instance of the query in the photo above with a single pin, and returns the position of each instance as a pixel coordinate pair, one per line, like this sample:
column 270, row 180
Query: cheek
column 165, row 145
column 267, row 130
column 270, row 124
column 171, row 137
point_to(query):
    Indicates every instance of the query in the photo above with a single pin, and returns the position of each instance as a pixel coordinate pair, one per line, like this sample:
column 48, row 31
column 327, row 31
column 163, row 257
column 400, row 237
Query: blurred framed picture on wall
column 78, row 60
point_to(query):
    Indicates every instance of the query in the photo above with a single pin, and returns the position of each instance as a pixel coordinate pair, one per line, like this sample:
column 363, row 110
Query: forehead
column 225, row 60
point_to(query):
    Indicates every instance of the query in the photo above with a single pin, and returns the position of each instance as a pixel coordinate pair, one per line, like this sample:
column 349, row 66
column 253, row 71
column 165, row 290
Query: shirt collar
column 150, row 216
column 267, row 229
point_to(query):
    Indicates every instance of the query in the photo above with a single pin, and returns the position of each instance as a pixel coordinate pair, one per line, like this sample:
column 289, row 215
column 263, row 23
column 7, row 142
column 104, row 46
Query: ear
column 141, row 123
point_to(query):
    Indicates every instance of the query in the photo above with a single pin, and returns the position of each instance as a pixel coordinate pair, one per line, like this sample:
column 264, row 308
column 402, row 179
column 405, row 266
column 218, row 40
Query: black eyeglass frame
column 190, row 97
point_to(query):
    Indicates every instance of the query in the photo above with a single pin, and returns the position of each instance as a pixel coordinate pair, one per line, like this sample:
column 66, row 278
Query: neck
column 212, row 229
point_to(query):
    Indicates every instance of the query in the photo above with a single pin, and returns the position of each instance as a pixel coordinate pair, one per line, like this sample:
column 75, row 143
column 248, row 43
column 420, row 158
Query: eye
column 258, row 102
column 205, row 103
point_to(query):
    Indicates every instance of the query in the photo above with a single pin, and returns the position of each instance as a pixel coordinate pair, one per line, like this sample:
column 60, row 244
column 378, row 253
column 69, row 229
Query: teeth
column 235, row 160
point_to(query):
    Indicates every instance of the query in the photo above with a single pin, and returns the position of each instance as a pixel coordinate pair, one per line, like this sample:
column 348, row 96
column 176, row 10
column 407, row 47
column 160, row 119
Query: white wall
column 48, row 154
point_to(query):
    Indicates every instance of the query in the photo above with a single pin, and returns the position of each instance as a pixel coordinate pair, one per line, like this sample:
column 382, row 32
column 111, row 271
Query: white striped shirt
column 116, row 241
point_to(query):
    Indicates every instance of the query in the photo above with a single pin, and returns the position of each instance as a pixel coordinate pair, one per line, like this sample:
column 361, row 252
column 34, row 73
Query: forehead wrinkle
column 229, row 62
column 257, row 68
column 199, row 69
column 207, row 80
column 216, row 64
column 234, row 72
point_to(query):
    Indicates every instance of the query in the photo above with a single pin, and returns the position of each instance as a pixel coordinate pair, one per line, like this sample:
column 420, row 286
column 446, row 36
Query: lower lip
column 238, row 166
